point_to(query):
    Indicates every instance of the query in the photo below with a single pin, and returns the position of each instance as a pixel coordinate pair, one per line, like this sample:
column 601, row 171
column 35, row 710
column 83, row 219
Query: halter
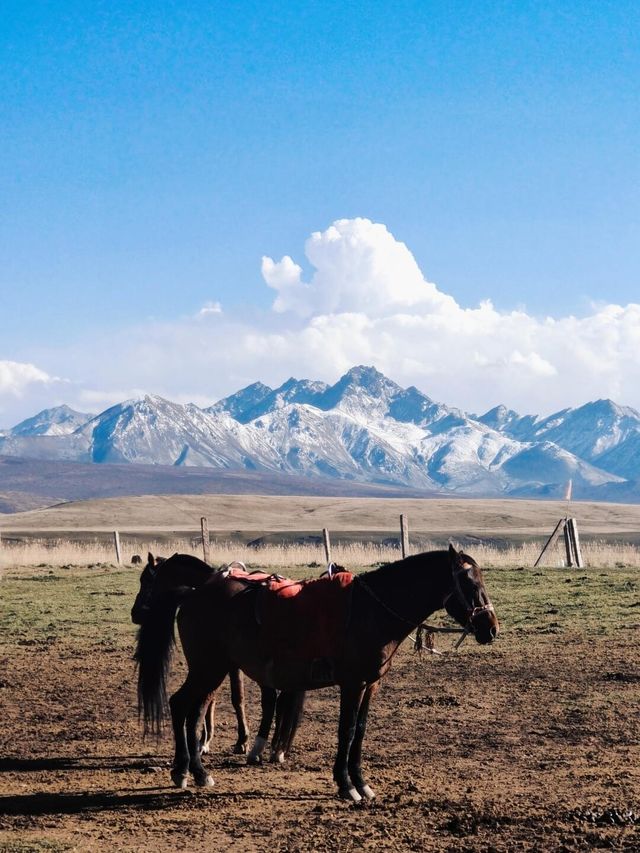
column 472, row 611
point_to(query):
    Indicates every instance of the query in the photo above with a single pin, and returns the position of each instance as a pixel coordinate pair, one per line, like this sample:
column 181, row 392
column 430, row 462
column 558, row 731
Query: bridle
column 472, row 611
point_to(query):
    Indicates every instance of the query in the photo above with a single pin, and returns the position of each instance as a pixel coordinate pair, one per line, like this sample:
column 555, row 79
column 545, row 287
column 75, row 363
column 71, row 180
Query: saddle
column 301, row 620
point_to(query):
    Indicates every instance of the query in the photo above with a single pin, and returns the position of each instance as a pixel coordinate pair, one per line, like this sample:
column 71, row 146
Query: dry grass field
column 257, row 514
column 363, row 530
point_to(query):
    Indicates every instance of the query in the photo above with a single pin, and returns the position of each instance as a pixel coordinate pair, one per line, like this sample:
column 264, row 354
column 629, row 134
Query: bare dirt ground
column 532, row 744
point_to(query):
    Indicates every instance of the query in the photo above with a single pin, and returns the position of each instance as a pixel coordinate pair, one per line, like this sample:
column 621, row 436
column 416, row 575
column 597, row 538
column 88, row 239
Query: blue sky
column 152, row 153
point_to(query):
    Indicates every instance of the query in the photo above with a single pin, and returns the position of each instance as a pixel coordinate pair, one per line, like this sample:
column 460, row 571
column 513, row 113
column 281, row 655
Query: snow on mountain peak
column 363, row 427
column 60, row 420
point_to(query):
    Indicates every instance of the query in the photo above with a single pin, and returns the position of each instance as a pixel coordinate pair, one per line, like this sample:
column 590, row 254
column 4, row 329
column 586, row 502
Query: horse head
column 143, row 599
column 468, row 602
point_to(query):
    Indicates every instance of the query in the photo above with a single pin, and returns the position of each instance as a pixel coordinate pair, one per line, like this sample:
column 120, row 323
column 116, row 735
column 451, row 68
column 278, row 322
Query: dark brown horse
column 287, row 710
column 219, row 632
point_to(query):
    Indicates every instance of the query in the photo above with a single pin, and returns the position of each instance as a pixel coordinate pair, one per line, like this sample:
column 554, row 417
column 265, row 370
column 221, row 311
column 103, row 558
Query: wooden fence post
column 116, row 542
column 404, row 535
column 327, row 544
column 551, row 540
column 572, row 524
column 204, row 526
column 568, row 545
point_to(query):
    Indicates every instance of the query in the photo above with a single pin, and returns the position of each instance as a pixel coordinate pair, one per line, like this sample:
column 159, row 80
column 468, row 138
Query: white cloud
column 359, row 266
column 16, row 377
column 367, row 302
column 210, row 308
column 24, row 390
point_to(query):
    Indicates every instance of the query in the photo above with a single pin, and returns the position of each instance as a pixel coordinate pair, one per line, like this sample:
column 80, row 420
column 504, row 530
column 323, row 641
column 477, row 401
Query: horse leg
column 355, row 753
column 179, row 704
column 289, row 709
column 236, row 680
column 350, row 699
column 268, row 703
column 194, row 723
column 283, row 713
column 208, row 727
column 291, row 723
column 187, row 711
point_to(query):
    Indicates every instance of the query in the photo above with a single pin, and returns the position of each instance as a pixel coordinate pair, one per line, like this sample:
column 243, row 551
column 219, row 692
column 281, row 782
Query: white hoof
column 180, row 780
column 367, row 793
column 205, row 782
column 277, row 757
column 351, row 794
column 255, row 755
column 206, row 749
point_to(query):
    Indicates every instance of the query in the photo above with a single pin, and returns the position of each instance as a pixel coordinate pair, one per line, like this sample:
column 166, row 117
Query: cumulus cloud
column 359, row 266
column 16, row 377
column 24, row 389
column 366, row 301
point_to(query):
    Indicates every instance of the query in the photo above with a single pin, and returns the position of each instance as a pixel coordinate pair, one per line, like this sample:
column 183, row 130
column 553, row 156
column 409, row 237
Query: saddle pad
column 305, row 620
column 249, row 577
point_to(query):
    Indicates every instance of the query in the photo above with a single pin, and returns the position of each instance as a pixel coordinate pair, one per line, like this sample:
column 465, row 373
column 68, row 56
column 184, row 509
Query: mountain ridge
column 365, row 428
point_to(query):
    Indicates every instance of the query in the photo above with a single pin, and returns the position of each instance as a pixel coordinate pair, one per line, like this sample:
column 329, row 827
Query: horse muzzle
column 484, row 624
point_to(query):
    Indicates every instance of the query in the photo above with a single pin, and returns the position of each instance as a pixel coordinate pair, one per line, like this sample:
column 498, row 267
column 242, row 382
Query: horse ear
column 454, row 555
column 151, row 560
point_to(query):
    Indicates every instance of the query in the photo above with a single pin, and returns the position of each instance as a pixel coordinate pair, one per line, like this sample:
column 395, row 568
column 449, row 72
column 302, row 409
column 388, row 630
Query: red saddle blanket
column 303, row 620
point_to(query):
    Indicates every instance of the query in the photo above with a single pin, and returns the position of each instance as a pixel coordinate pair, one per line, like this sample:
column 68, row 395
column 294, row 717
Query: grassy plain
column 531, row 744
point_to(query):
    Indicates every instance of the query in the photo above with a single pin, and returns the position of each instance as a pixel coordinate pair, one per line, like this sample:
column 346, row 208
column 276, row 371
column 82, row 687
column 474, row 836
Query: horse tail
column 288, row 717
column 154, row 649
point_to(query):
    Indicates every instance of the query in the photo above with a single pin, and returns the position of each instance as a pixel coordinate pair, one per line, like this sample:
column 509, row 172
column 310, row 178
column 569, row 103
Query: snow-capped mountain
column 258, row 399
column 603, row 433
column 154, row 431
column 364, row 428
column 61, row 420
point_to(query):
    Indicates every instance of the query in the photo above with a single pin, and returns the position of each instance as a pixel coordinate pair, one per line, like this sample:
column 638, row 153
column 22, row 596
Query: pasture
column 530, row 744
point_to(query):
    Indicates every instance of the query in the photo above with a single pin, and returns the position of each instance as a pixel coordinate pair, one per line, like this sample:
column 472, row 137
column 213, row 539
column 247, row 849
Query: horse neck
column 182, row 570
column 412, row 588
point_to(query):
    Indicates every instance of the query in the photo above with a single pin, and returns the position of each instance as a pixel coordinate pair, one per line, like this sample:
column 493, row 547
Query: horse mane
column 388, row 568
column 190, row 560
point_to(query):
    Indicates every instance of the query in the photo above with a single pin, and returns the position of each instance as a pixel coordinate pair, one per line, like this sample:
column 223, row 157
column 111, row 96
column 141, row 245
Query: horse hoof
column 350, row 794
column 277, row 757
column 240, row 749
column 204, row 781
column 206, row 749
column 366, row 793
column 254, row 760
column 180, row 780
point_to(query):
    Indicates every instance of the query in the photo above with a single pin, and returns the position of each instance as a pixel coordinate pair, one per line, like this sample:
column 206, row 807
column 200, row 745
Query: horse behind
column 219, row 630
column 157, row 580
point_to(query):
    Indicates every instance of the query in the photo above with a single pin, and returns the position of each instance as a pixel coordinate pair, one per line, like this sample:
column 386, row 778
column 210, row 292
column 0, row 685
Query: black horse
column 157, row 579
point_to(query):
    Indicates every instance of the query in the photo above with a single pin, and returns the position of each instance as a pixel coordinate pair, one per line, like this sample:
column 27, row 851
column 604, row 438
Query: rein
column 424, row 632
column 382, row 603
